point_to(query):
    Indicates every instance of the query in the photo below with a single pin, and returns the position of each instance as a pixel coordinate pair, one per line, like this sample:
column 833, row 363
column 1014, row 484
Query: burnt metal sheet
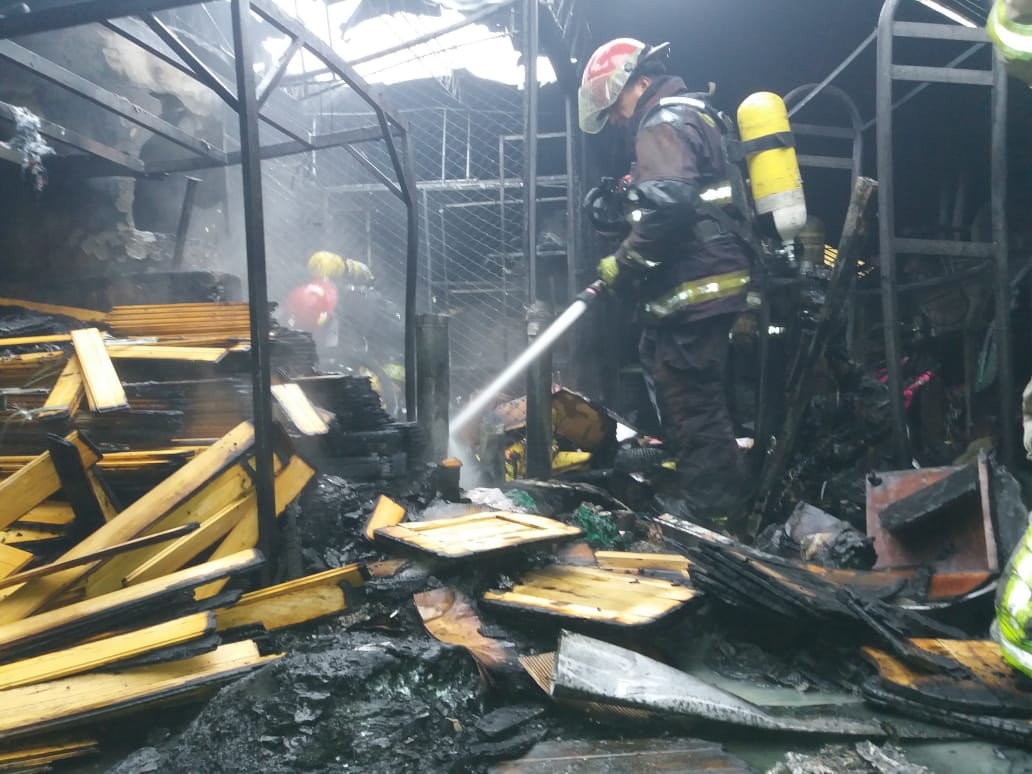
column 476, row 535
column 591, row 669
column 958, row 540
column 632, row 756
column 595, row 595
column 540, row 667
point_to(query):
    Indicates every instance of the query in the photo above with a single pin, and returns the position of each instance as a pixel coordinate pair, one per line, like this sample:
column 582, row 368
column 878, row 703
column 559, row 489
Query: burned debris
column 400, row 453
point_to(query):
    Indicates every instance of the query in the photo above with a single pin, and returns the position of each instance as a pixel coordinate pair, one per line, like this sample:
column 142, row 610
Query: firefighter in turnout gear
column 1010, row 27
column 683, row 258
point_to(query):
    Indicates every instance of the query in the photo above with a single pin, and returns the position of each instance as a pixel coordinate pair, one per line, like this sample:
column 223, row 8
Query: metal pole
column 539, row 375
column 887, row 231
column 408, row 185
column 434, row 380
column 818, row 88
column 257, row 289
column 184, row 221
column 573, row 226
column 998, row 208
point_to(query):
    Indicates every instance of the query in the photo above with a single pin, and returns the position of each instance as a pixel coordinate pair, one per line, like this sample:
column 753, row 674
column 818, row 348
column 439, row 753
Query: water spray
column 546, row 339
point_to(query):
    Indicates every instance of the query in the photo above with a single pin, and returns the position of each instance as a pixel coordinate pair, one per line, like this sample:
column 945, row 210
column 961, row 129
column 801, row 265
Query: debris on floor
column 413, row 626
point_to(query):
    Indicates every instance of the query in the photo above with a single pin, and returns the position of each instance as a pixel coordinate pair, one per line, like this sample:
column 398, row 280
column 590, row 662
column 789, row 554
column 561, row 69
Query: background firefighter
column 688, row 271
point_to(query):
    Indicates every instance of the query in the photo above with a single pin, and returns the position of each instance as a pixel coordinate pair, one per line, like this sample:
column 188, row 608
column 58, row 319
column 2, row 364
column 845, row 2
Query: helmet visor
column 596, row 96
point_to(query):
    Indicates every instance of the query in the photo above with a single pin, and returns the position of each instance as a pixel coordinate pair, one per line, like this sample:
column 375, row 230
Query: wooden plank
column 50, row 512
column 387, row 513
column 596, row 595
column 76, row 313
column 958, row 489
column 100, row 653
column 299, row 410
column 477, row 534
column 227, row 487
column 36, row 709
column 157, row 352
column 619, row 560
column 179, row 553
column 55, row 628
column 13, row 536
column 104, row 390
column 21, row 341
column 36, row 481
column 132, row 522
column 295, row 602
column 67, row 393
column 289, row 483
column 21, row 759
column 12, row 560
column 53, row 567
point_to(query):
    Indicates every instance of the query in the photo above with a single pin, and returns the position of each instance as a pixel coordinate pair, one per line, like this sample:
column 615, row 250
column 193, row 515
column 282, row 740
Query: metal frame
column 855, row 161
column 247, row 103
column 891, row 245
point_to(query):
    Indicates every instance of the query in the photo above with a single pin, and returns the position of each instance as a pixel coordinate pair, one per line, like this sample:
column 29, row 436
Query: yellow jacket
column 1010, row 28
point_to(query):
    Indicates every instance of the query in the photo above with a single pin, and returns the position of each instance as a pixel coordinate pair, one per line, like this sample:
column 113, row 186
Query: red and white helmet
column 607, row 73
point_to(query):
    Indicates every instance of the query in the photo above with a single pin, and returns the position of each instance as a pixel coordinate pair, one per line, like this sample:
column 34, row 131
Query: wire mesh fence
column 466, row 144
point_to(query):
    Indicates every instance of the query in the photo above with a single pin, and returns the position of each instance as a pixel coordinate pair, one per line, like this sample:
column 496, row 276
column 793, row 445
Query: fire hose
column 538, row 347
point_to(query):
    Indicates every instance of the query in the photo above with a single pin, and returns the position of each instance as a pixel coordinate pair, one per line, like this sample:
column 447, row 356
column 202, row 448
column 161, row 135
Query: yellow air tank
column 777, row 185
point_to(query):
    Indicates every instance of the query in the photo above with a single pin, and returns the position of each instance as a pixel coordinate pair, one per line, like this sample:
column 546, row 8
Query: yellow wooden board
column 54, row 567
column 225, row 489
column 66, row 394
column 20, row 341
column 104, row 390
column 590, row 594
column 18, row 635
column 60, row 704
column 12, row 560
column 289, row 483
column 299, row 410
column 387, row 513
column 51, row 512
column 294, row 602
column 619, row 560
column 27, row 756
column 36, row 481
column 100, row 653
column 134, row 521
column 159, row 352
column 476, row 534
column 15, row 534
column 76, row 313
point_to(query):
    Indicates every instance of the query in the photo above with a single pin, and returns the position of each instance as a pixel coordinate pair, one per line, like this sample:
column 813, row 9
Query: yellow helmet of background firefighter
column 324, row 265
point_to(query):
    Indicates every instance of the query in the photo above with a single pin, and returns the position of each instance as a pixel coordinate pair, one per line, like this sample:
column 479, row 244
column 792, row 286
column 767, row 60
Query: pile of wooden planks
column 129, row 518
column 142, row 606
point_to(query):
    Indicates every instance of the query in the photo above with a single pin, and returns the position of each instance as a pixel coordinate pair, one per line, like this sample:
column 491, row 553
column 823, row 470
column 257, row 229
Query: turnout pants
column 685, row 367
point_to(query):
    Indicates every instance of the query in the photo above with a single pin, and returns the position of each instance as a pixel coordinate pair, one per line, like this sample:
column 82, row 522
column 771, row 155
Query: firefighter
column 687, row 269
column 1010, row 27
column 312, row 307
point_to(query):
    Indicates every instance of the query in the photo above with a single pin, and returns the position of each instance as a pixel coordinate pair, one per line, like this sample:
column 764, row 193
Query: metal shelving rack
column 253, row 103
column 892, row 245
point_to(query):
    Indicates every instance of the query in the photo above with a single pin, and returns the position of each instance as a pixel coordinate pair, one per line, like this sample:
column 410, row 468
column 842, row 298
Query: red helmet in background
column 310, row 306
column 606, row 74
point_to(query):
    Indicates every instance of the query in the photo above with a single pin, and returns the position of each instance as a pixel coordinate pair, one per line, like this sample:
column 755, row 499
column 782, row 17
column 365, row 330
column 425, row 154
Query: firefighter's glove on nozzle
column 609, row 271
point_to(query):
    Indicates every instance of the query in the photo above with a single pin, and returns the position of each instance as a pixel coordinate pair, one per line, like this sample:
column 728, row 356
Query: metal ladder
column 891, row 245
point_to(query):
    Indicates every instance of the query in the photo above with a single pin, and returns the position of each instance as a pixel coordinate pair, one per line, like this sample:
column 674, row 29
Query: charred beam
column 81, row 12
column 275, row 151
column 125, row 29
column 271, row 81
column 200, row 70
column 295, row 28
column 66, row 79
